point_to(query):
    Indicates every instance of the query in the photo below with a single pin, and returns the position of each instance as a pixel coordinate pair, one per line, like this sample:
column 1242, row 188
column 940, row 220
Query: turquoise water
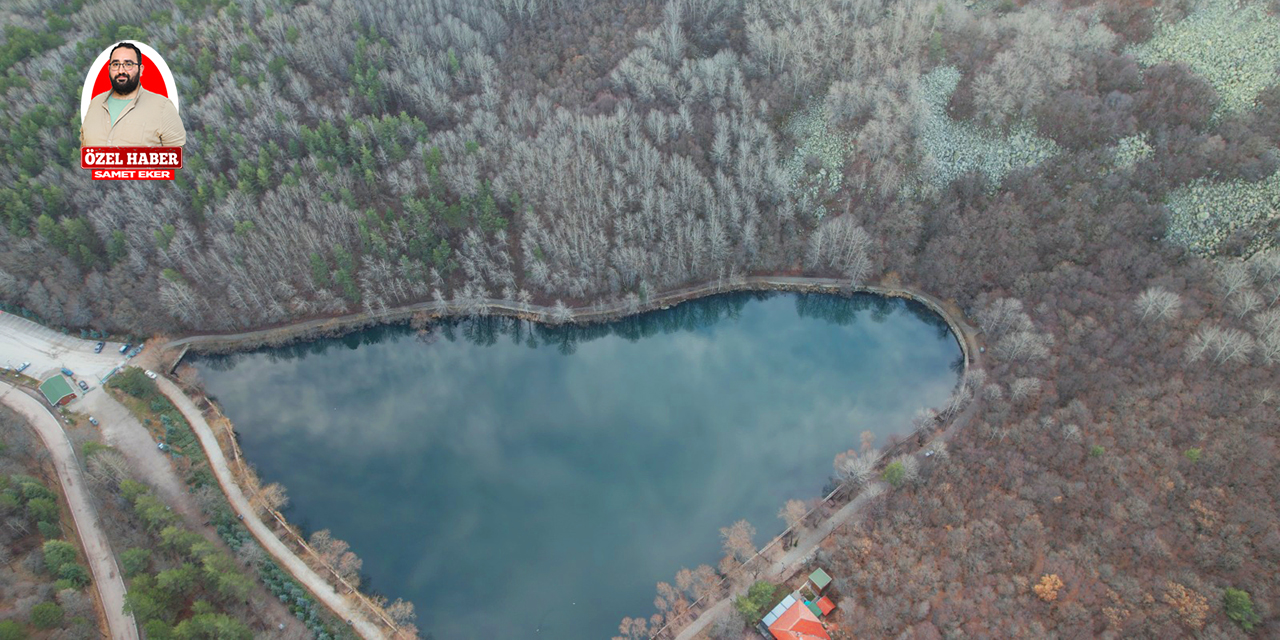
column 519, row 481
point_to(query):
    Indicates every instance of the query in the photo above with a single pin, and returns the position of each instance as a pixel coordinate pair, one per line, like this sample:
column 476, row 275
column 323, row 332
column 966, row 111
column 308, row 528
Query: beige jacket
column 149, row 120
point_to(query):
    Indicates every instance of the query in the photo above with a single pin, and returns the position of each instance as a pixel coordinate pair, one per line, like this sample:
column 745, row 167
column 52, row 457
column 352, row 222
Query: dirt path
column 288, row 560
column 121, row 429
column 785, row 567
column 102, row 562
column 593, row 313
column 966, row 337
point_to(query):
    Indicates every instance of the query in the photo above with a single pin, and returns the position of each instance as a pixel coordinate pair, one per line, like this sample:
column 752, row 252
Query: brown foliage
column 1192, row 608
column 1048, row 587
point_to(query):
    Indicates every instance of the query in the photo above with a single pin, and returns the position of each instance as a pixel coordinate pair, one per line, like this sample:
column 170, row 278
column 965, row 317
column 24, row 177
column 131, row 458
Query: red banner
column 131, row 158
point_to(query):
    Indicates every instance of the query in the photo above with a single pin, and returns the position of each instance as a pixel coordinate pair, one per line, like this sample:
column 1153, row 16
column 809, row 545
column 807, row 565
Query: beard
column 123, row 84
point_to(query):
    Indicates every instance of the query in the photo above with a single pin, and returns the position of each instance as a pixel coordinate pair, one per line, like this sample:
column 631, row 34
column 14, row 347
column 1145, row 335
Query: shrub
column 74, row 575
column 751, row 604
column 49, row 530
column 43, row 510
column 1193, row 454
column 58, row 553
column 1239, row 607
column 1097, row 450
column 10, row 630
column 135, row 561
column 895, row 473
column 46, row 615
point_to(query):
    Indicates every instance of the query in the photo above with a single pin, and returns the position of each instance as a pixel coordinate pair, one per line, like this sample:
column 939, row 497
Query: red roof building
column 798, row 623
column 826, row 605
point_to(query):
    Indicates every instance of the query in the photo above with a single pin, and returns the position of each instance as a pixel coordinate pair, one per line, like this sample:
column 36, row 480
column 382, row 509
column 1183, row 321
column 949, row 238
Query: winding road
column 102, row 562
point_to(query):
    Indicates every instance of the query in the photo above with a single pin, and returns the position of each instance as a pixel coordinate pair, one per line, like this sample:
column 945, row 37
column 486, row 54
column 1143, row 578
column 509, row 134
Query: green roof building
column 57, row 390
column 820, row 579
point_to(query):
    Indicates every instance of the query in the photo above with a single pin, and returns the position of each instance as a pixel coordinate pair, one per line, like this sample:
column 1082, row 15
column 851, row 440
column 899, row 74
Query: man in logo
column 128, row 115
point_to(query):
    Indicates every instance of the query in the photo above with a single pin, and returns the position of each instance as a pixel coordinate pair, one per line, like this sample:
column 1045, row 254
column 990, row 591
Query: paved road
column 317, row 585
column 102, row 562
column 49, row 351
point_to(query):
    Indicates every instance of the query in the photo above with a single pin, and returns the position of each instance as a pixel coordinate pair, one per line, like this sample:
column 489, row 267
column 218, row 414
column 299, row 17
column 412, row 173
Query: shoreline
column 961, row 331
column 304, row 330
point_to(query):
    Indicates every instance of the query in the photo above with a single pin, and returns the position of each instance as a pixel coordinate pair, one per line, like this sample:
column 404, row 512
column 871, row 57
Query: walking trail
column 102, row 562
column 288, row 560
column 781, row 569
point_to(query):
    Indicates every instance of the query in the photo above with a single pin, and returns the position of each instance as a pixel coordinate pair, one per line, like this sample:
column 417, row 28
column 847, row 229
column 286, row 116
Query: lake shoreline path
column 107, row 578
column 174, row 350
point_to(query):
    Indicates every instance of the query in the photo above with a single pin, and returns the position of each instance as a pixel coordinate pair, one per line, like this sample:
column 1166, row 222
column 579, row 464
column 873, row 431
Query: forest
column 1093, row 182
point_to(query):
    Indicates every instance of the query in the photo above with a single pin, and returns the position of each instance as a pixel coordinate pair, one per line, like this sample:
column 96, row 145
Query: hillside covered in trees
column 1093, row 182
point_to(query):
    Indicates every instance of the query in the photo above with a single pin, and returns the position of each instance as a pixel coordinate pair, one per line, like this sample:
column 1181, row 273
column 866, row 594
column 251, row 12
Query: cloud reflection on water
column 443, row 463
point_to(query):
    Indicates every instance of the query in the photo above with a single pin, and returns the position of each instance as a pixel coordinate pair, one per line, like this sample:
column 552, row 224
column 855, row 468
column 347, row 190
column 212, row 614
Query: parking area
column 49, row 351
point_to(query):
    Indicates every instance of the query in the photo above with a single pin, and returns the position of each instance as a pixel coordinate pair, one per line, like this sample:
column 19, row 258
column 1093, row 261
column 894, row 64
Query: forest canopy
column 1109, row 166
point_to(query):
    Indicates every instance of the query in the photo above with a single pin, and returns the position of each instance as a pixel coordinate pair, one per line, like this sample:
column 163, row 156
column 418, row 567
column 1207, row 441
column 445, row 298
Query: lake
column 520, row 481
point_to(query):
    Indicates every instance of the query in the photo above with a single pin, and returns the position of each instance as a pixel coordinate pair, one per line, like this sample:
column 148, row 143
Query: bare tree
column 271, row 498
column 737, row 540
column 854, row 469
column 107, row 468
column 1232, row 278
column 1245, row 302
column 1221, row 346
column 1024, row 389
column 1157, row 304
column 401, row 612
column 793, row 513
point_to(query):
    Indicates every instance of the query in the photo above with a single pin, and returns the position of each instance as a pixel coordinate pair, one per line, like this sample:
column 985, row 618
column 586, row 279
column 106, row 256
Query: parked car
column 136, row 351
column 24, row 367
column 83, row 385
column 67, row 372
column 97, row 348
column 150, row 374
column 124, row 347
column 93, row 421
column 162, row 446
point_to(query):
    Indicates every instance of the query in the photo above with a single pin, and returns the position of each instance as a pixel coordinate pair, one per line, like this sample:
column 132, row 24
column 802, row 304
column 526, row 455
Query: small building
column 825, row 605
column 57, row 390
column 795, row 622
column 819, row 579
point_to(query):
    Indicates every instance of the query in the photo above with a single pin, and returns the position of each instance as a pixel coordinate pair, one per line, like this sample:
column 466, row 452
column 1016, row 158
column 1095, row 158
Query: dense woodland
column 1030, row 161
column 44, row 581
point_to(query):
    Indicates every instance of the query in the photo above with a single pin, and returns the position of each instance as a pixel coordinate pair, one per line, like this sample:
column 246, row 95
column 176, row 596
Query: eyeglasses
column 127, row 65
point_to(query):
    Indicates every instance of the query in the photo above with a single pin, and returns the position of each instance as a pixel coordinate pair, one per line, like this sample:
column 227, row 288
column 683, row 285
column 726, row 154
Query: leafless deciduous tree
column 1220, row 346
column 1023, row 389
column 737, row 540
column 1233, row 277
column 856, row 469
column 1157, row 304
column 793, row 513
column 108, row 468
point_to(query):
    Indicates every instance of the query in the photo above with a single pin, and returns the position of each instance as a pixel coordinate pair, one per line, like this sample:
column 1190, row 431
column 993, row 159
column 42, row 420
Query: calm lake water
column 518, row 481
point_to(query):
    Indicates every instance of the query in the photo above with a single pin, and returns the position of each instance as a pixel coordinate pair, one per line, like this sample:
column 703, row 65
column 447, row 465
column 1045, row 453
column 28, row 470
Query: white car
column 150, row 374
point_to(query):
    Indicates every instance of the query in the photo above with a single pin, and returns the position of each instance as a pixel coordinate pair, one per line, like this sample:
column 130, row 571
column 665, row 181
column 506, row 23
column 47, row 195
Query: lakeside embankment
column 329, row 327
column 340, row 325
